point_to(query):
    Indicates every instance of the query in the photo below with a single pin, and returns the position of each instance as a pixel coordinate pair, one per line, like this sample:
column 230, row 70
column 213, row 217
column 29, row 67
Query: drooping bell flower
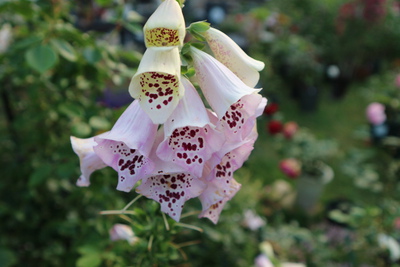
column 221, row 87
column 240, row 118
column 232, row 56
column 157, row 83
column 190, row 138
column 166, row 26
column 126, row 148
column 123, row 232
column 170, row 185
column 221, row 186
column 89, row 161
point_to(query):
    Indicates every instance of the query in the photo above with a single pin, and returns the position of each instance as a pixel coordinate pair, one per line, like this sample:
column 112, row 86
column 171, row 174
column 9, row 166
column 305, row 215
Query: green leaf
column 41, row 58
column 40, row 175
column 89, row 260
column 198, row 36
column 200, row 26
column 99, row 123
column 92, row 55
column 22, row 44
column 64, row 49
column 7, row 258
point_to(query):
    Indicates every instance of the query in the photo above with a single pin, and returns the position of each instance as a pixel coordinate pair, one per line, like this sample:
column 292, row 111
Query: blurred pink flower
column 252, row 220
column 291, row 167
column 376, row 113
column 122, row 232
column 289, row 129
column 262, row 261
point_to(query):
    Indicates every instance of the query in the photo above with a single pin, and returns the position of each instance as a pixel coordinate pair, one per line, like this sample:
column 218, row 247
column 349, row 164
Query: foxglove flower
column 126, row 148
column 221, row 87
column 157, row 83
column 89, row 161
column 233, row 57
column 221, row 186
column 122, row 232
column 166, row 26
column 240, row 118
column 190, row 138
column 170, row 185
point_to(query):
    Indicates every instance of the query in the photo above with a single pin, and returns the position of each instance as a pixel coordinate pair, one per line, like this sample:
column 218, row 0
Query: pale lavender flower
column 262, row 261
column 252, row 220
column 122, row 232
column 376, row 113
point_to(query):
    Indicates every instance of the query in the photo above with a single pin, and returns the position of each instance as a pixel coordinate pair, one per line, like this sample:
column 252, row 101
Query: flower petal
column 221, row 87
column 127, row 146
column 214, row 210
column 166, row 26
column 89, row 161
column 233, row 57
column 157, row 83
column 190, row 140
column 240, row 118
column 171, row 191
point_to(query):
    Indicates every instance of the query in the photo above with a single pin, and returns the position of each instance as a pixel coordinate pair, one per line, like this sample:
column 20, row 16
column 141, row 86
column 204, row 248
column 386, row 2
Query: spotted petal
column 214, row 210
column 190, row 139
column 126, row 148
column 157, row 83
column 89, row 161
column 221, row 87
column 232, row 56
column 240, row 118
column 166, row 26
column 170, row 185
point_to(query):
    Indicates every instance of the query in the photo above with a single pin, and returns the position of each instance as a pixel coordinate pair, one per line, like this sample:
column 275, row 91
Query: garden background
column 65, row 67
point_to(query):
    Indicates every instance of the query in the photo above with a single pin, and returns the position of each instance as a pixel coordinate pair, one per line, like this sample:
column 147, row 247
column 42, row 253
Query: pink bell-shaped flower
column 190, row 138
column 126, row 148
column 170, row 185
column 89, row 161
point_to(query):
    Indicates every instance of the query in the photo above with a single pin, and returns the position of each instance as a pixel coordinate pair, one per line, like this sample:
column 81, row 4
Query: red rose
column 274, row 127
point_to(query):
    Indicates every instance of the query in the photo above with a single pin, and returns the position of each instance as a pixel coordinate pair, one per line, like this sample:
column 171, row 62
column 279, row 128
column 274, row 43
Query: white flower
column 233, row 57
column 5, row 37
column 157, row 83
column 166, row 26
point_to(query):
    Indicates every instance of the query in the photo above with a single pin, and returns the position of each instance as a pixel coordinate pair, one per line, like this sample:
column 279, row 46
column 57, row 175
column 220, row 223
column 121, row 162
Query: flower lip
column 157, row 83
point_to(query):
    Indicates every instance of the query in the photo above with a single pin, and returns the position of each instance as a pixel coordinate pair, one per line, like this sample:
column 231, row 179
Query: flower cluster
column 167, row 144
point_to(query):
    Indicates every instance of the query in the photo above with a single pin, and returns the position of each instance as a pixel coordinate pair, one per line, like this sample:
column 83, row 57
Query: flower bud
column 289, row 129
column 274, row 127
